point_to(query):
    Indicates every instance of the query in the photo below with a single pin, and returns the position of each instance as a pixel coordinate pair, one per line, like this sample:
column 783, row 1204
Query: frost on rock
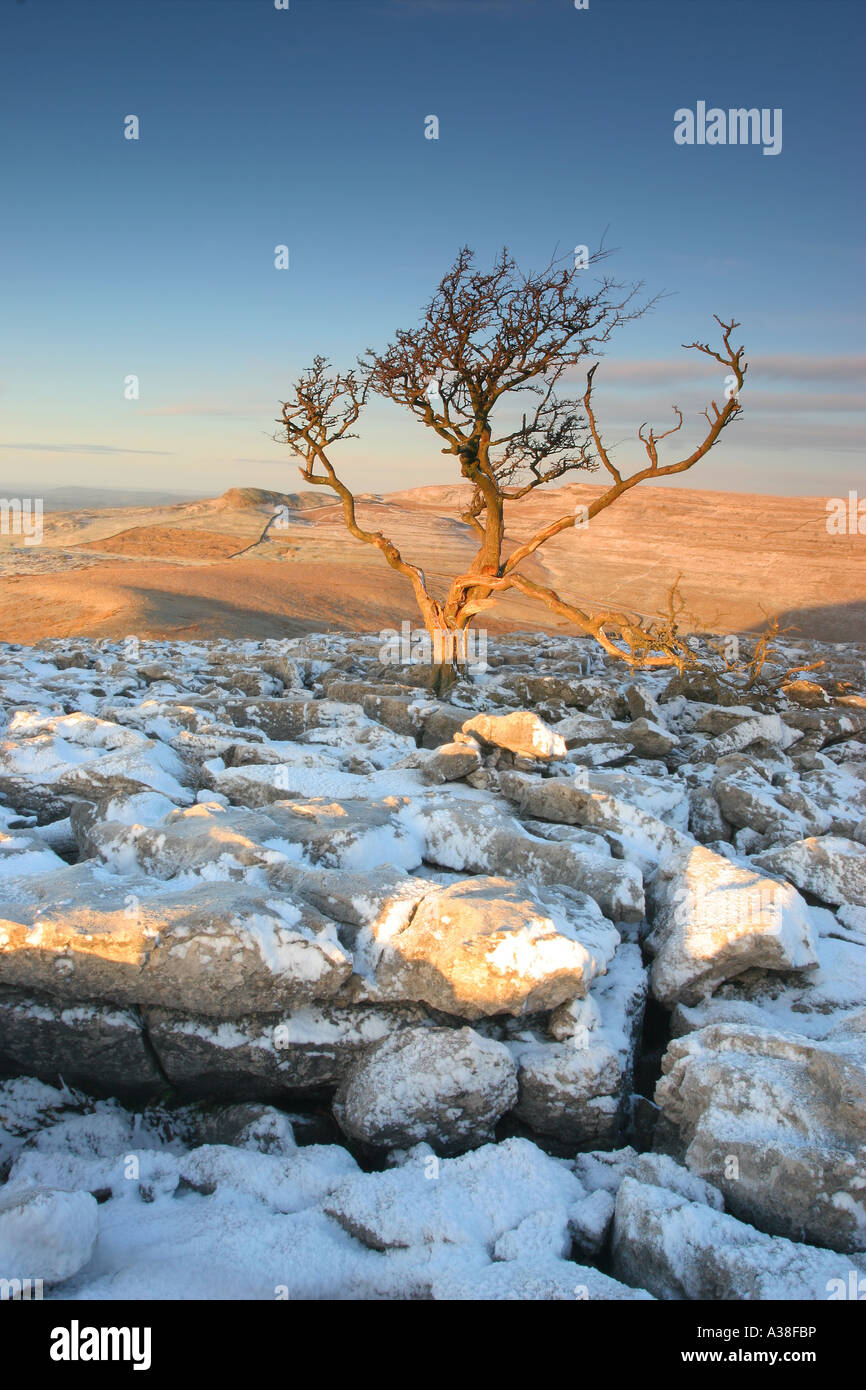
column 680, row 1249
column 446, row 1085
column 605, row 1170
column 479, row 838
column 830, row 868
column 714, row 920
column 254, row 891
column 46, row 762
column 487, row 946
column 474, row 1199
column 45, row 1234
column 645, row 837
column 778, row 1123
column 818, row 1003
column 578, row 1089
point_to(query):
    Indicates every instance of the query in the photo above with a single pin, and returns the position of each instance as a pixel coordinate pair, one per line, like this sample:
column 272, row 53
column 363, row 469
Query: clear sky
column 305, row 127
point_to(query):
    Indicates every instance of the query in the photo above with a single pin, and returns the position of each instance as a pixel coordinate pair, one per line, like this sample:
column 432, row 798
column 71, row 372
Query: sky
column 305, row 127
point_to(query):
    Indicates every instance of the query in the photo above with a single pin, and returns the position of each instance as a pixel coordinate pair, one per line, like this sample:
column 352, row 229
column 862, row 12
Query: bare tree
column 488, row 339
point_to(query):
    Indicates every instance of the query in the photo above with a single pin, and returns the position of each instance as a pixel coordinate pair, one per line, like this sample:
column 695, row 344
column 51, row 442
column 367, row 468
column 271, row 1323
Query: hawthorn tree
column 489, row 340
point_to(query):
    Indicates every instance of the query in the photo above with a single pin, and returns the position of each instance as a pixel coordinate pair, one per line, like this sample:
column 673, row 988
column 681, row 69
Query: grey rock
column 444, row 1086
column 706, row 821
column 778, row 1123
column 714, row 920
column 651, row 740
column 451, row 762
column 100, row 1049
column 829, row 867
column 267, row 1058
column 45, row 1234
column 577, row 1089
column 681, row 1250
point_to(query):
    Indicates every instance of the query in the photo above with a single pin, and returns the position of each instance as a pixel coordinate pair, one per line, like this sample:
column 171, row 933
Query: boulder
column 521, row 732
column 744, row 732
column 829, row 867
column 487, row 946
column 45, row 1234
column 706, row 821
column 361, row 897
column 651, row 740
column 807, row 693
column 439, row 724
column 100, row 937
column 268, row 1058
column 451, row 762
column 542, row 690
column 661, row 796
column 577, row 1089
column 642, row 704
column 840, row 792
column 477, row 837
column 583, row 730
column 102, row 1050
column 644, row 836
column 444, row 1086
column 246, row 1125
column 280, row 719
column 395, row 712
column 778, row 1123
column 682, row 1250
column 714, row 920
column 748, row 800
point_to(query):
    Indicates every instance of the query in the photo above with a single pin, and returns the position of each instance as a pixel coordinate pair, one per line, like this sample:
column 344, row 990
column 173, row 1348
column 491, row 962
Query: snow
column 186, row 1219
column 226, row 1223
column 688, row 1250
column 45, row 1234
column 539, row 1280
column 473, row 1199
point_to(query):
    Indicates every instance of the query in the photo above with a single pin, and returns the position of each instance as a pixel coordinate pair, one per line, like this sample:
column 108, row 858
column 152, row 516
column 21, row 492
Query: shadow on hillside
column 831, row 622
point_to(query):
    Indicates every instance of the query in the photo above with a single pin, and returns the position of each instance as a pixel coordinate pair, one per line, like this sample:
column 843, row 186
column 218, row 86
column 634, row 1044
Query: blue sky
column 306, row 127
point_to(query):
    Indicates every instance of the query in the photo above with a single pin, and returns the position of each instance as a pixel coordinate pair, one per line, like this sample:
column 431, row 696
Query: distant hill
column 238, row 565
column 63, row 499
column 241, row 498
